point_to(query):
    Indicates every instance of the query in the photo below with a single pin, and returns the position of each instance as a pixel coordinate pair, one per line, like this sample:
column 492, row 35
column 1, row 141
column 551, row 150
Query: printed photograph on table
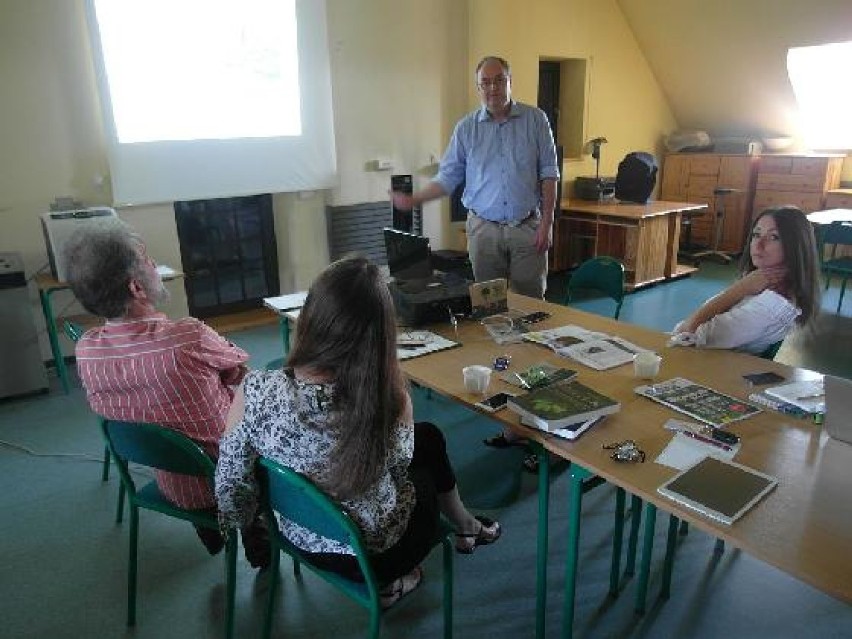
column 700, row 402
column 488, row 298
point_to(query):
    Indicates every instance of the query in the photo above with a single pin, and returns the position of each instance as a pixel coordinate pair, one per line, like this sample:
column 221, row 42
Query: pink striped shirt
column 173, row 373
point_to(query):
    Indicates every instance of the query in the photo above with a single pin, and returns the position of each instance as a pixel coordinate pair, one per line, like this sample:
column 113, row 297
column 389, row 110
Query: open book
column 596, row 350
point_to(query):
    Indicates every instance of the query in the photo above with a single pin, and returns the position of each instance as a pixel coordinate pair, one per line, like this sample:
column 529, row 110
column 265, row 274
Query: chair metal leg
column 842, row 293
column 119, row 515
column 668, row 564
column 375, row 620
column 230, row 583
column 719, row 548
column 105, row 471
column 448, row 588
column 633, row 541
column 273, row 586
column 617, row 538
column 131, row 566
column 684, row 528
column 647, row 550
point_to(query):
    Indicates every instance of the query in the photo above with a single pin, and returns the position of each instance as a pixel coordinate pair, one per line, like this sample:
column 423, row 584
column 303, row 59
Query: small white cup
column 476, row 378
column 646, row 365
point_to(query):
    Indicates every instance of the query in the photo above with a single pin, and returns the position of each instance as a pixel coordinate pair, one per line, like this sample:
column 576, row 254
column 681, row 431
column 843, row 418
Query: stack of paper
column 809, row 395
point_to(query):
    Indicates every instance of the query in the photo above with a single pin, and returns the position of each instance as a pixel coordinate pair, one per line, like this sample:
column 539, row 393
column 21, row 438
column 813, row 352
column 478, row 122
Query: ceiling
column 722, row 64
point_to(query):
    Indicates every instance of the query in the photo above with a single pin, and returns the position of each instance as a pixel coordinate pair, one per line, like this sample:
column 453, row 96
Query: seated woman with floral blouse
column 340, row 414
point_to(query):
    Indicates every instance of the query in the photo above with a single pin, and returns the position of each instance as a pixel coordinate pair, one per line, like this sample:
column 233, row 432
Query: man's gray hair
column 493, row 58
column 102, row 259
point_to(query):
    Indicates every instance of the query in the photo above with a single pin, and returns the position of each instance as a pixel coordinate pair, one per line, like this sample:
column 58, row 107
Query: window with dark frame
column 228, row 253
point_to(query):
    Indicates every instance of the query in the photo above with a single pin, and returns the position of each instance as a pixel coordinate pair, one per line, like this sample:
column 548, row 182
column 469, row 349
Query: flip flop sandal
column 499, row 441
column 466, row 543
column 401, row 587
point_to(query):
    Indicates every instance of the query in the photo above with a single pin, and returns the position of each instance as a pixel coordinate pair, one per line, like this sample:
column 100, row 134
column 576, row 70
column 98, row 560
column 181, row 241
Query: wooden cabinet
column 692, row 177
column 838, row 199
column 800, row 180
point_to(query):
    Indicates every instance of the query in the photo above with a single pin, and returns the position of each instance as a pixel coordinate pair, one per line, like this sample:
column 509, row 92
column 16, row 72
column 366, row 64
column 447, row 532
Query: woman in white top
column 778, row 289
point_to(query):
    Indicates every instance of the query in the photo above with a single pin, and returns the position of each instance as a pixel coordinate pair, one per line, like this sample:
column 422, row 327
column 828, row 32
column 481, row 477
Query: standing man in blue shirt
column 505, row 155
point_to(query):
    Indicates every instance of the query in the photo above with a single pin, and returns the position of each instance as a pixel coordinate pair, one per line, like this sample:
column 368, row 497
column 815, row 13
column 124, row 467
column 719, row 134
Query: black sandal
column 489, row 532
column 400, row 587
column 500, row 441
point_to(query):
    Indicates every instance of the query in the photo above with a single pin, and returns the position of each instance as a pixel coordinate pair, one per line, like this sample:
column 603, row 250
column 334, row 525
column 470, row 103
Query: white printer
column 59, row 226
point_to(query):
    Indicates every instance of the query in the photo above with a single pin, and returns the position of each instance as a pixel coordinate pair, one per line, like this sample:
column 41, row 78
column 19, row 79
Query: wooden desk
column 287, row 307
column 644, row 237
column 804, row 527
column 47, row 286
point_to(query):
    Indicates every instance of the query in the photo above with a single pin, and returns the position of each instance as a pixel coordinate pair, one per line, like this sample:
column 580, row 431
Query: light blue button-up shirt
column 501, row 163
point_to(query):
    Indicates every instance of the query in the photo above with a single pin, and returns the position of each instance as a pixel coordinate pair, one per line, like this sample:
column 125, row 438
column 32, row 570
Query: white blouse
column 751, row 325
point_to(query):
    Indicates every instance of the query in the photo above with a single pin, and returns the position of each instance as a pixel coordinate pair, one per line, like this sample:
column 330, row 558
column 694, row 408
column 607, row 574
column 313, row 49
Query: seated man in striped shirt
column 140, row 366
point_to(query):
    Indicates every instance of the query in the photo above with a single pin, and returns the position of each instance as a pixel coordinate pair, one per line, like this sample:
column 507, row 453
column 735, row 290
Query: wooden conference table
column 645, row 237
column 803, row 527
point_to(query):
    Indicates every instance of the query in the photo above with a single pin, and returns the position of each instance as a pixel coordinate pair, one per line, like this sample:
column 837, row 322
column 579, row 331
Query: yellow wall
column 625, row 103
column 402, row 75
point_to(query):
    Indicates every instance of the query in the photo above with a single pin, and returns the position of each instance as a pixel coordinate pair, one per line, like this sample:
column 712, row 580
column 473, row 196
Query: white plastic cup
column 646, row 365
column 476, row 378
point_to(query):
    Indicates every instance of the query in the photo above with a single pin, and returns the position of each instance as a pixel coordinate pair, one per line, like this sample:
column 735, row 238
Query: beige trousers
column 504, row 251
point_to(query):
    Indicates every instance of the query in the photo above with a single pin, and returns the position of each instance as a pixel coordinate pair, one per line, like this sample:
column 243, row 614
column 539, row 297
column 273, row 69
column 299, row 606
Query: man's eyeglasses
column 499, row 81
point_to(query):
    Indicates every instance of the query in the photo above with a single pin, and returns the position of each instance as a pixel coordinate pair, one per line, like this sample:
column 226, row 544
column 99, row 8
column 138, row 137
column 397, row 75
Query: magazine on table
column 703, row 403
column 596, row 350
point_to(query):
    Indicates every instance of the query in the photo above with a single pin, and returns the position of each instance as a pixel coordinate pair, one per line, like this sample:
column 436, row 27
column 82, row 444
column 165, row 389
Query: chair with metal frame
column 297, row 499
column 602, row 273
column 164, row 449
column 835, row 235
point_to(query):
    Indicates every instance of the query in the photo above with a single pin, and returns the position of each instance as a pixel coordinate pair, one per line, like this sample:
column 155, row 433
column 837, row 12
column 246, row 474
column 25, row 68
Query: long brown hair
column 347, row 330
column 800, row 258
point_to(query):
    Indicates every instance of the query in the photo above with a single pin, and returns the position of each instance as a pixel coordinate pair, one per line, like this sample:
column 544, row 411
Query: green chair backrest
column 157, row 447
column 772, row 350
column 837, row 233
column 298, row 499
column 73, row 331
column 604, row 274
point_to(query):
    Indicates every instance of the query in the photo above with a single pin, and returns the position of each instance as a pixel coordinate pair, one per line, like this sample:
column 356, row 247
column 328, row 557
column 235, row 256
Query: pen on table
column 706, row 440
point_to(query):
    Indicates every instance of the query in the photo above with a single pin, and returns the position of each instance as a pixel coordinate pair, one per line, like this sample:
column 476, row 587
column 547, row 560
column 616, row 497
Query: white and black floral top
column 287, row 420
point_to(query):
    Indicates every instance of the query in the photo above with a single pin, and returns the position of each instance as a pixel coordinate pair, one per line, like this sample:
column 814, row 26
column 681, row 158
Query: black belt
column 531, row 213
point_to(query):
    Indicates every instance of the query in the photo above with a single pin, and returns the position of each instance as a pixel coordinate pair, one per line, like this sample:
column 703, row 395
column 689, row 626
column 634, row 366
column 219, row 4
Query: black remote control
column 725, row 437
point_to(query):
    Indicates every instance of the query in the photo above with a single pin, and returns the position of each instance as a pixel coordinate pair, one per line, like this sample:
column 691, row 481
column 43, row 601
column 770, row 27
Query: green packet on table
column 538, row 375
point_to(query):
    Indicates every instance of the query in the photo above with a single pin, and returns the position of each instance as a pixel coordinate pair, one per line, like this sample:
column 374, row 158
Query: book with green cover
column 560, row 405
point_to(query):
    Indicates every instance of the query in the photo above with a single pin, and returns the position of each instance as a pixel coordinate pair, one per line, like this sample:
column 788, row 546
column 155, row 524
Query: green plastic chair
column 836, row 234
column 604, row 274
column 772, row 350
column 74, row 332
column 158, row 447
column 296, row 498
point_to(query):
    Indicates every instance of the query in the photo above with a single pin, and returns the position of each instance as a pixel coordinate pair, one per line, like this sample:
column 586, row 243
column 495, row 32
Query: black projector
column 431, row 301
column 595, row 189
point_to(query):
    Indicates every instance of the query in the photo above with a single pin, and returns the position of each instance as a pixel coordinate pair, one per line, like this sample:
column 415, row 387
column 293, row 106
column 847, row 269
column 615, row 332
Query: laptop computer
column 409, row 256
column 838, row 408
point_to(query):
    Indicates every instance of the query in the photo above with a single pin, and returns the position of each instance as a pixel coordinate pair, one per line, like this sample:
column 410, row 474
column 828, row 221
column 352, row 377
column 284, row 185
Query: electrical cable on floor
column 142, row 470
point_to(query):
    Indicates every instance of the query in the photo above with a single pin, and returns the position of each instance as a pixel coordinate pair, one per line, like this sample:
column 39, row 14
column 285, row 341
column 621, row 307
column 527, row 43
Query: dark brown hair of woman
column 347, row 331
